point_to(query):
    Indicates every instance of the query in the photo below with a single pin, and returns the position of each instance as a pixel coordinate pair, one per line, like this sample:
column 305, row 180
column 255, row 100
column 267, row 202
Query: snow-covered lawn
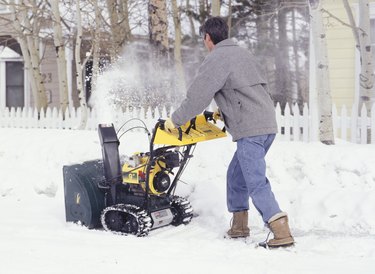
column 328, row 191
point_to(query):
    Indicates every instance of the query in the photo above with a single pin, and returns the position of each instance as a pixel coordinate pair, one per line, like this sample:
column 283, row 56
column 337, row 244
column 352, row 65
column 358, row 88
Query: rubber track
column 144, row 221
column 185, row 205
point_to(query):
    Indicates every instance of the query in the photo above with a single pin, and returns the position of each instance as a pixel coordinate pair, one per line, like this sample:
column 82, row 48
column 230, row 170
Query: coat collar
column 225, row 43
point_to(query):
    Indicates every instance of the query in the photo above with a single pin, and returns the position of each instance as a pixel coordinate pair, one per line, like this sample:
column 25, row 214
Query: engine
column 134, row 171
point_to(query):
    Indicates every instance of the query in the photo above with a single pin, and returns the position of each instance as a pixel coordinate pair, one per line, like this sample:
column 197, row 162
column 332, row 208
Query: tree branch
column 341, row 21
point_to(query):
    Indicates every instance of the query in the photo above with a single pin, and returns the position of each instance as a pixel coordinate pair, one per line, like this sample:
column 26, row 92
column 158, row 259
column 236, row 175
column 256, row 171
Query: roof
column 8, row 53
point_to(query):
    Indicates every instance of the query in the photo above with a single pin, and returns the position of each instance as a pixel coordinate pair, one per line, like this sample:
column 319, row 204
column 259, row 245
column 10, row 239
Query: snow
column 328, row 191
column 8, row 53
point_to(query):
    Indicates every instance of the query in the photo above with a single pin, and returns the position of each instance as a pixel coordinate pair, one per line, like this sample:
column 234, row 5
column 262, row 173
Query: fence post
column 344, row 123
column 372, row 124
column 12, row 117
column 25, row 118
column 363, row 124
column 334, row 121
column 305, row 115
column 54, row 118
column 60, row 117
column 353, row 124
column 287, row 122
column 278, row 119
column 358, row 126
column 296, row 123
column 66, row 120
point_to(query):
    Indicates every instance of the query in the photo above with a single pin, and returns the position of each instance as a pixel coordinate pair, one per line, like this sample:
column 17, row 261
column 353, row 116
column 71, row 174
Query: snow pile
column 329, row 188
column 328, row 191
column 326, row 187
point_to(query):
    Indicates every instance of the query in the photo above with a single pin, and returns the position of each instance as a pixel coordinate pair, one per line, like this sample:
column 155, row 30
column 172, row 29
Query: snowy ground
column 328, row 191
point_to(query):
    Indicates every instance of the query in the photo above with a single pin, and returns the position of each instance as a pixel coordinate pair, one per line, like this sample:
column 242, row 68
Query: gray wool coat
column 230, row 75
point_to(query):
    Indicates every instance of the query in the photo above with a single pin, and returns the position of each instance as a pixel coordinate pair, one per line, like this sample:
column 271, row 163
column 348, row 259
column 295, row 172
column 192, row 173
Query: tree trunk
column 177, row 49
column 366, row 78
column 33, row 47
column 21, row 39
column 158, row 26
column 203, row 13
column 326, row 135
column 124, row 11
column 96, row 48
column 29, row 52
column 352, row 22
column 298, row 94
column 79, row 78
column 60, row 53
column 282, row 59
column 189, row 14
column 156, row 78
column 363, row 44
column 119, row 24
column 229, row 22
column 215, row 8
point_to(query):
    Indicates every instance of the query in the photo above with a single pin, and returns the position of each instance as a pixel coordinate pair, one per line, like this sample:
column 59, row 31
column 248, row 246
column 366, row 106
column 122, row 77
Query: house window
column 4, row 8
column 14, row 84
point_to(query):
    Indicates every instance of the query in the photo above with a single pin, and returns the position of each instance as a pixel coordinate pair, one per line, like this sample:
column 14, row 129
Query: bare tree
column 282, row 54
column 60, row 54
column 158, row 26
column 363, row 43
column 229, row 18
column 215, row 7
column 25, row 23
column 189, row 14
column 119, row 25
column 79, row 78
column 177, row 47
column 96, row 46
column 322, row 74
column 203, row 11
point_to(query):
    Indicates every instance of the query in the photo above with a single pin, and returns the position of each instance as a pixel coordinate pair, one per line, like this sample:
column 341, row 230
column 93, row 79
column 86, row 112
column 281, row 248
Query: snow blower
column 133, row 195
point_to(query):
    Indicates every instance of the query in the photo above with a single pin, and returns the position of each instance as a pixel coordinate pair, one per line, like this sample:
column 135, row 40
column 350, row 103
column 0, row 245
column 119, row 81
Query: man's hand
column 217, row 115
column 168, row 124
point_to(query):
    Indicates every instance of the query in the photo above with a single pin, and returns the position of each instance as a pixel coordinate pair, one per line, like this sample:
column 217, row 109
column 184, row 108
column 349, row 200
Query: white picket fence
column 350, row 127
column 54, row 118
column 293, row 126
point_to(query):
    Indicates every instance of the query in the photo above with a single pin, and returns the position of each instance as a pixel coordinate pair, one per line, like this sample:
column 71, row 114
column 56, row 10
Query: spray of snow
column 134, row 81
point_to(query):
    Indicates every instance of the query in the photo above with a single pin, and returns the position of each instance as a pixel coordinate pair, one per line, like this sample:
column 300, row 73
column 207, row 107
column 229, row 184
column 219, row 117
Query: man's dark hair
column 216, row 27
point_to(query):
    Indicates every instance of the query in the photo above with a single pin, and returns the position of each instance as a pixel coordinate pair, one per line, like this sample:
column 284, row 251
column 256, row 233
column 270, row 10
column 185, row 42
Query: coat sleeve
column 210, row 78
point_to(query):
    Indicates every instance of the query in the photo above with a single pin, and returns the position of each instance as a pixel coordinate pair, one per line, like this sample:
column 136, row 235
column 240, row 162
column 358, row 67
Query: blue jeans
column 246, row 177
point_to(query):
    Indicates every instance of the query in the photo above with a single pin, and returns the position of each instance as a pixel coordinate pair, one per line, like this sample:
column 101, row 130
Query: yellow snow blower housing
column 134, row 172
column 198, row 129
column 132, row 195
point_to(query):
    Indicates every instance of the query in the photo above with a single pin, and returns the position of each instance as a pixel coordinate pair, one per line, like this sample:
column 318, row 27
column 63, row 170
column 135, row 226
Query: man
column 229, row 74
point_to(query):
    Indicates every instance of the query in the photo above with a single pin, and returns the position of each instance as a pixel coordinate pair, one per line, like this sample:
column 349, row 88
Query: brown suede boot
column 279, row 226
column 239, row 227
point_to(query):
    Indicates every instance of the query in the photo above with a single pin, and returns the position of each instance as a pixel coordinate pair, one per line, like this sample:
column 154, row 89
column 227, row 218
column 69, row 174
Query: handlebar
column 161, row 123
column 208, row 115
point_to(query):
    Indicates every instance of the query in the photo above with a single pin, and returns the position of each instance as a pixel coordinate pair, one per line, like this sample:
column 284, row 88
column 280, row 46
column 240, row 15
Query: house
column 343, row 57
column 15, row 90
column 12, row 89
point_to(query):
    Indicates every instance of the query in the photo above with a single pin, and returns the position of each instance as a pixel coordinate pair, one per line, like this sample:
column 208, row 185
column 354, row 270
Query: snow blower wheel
column 136, row 194
column 126, row 219
column 182, row 211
